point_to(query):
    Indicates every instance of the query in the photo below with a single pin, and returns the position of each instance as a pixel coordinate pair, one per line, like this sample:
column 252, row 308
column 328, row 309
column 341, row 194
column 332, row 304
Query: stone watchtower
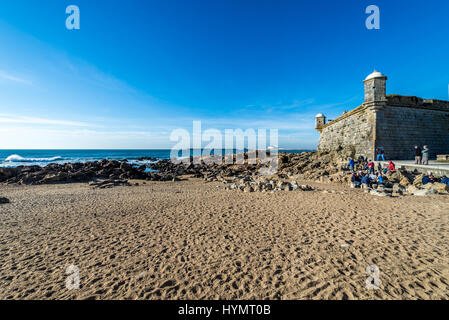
column 375, row 90
column 320, row 121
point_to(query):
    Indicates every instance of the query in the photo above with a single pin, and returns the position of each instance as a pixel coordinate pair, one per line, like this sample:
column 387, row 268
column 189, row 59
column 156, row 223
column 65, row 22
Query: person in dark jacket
column 355, row 180
column 366, row 181
column 379, row 167
column 360, row 159
column 418, row 154
column 380, row 154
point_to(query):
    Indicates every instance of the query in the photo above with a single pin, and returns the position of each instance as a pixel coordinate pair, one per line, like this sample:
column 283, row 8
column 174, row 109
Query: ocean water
column 14, row 158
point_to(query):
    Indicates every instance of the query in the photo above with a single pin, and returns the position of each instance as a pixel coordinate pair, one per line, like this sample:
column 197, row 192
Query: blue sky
column 136, row 70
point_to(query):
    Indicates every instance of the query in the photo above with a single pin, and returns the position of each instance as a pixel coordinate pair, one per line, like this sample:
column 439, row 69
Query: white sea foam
column 18, row 158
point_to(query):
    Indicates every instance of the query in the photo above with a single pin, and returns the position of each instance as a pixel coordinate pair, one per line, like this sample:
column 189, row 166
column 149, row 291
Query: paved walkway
column 437, row 168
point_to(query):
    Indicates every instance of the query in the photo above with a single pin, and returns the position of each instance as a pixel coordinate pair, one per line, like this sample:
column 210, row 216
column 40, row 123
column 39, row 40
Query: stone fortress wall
column 409, row 121
column 354, row 129
column 392, row 122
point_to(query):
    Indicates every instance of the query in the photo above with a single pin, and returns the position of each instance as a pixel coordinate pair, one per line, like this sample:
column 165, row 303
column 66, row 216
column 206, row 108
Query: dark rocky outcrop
column 76, row 172
column 4, row 200
column 327, row 167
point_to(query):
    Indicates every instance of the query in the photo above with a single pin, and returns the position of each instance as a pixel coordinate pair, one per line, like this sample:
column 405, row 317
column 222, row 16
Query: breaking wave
column 17, row 158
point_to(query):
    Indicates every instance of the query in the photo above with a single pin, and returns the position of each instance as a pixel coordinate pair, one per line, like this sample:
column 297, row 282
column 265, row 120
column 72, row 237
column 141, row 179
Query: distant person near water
column 418, row 154
column 425, row 155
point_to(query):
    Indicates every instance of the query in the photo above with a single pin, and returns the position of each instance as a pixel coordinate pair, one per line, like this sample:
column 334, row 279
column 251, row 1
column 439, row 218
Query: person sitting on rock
column 445, row 180
column 433, row 178
column 360, row 160
column 425, row 180
column 380, row 179
column 391, row 167
column 371, row 166
column 379, row 167
column 351, row 164
column 365, row 166
column 355, row 180
column 366, row 181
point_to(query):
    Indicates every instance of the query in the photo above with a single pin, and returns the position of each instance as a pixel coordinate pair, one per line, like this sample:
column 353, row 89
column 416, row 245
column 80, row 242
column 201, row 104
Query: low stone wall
column 438, row 171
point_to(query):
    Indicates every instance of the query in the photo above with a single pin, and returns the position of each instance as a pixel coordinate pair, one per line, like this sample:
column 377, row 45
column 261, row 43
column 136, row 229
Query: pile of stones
column 248, row 184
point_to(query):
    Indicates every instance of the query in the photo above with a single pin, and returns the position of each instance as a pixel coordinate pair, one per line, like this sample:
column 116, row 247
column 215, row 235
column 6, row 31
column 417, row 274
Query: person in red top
column 371, row 167
column 391, row 167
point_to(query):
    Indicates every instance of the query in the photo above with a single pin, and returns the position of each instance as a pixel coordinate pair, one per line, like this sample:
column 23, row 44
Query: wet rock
column 4, row 200
column 8, row 173
column 147, row 159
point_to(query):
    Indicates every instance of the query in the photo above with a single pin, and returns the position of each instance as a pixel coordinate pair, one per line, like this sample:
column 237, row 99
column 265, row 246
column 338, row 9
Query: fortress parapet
column 394, row 123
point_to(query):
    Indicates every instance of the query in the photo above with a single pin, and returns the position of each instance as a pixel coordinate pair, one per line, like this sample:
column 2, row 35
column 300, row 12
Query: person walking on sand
column 425, row 155
column 418, row 154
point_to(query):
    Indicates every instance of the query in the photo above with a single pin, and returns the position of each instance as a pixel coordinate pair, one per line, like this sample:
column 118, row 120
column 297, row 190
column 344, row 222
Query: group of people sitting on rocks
column 366, row 174
column 432, row 179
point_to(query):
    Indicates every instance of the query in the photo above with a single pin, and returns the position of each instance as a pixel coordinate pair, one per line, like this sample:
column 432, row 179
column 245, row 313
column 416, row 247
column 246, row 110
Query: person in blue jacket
column 366, row 181
column 351, row 164
column 445, row 180
column 380, row 179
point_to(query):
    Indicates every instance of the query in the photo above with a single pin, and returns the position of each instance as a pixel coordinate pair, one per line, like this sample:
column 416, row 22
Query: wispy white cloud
column 14, row 78
column 9, row 119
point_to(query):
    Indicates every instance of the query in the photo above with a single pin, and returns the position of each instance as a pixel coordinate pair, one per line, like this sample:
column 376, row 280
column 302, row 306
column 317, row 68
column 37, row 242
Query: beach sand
column 194, row 240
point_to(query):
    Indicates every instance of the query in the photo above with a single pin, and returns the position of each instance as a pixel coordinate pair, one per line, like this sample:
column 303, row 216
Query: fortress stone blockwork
column 391, row 122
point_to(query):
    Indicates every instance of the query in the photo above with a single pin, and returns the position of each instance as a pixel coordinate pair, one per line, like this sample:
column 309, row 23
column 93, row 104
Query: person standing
column 418, row 155
column 380, row 154
column 425, row 155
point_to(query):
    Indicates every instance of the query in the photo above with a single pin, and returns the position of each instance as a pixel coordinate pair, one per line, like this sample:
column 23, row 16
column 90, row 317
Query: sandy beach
column 195, row 240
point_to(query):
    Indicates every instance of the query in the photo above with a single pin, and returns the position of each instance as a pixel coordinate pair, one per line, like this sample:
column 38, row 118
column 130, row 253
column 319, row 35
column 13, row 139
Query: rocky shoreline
column 325, row 167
